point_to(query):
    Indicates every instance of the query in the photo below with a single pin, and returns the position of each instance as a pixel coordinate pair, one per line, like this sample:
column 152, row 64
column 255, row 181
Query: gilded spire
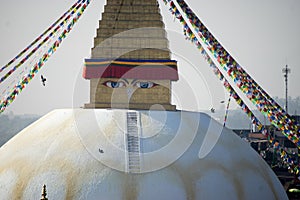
column 44, row 193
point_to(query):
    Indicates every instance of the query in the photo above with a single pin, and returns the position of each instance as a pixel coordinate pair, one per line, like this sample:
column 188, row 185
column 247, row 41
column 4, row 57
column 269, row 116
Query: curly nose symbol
column 129, row 92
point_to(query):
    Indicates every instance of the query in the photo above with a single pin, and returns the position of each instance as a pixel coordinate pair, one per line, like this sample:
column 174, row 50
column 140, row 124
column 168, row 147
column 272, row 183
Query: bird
column 212, row 110
column 43, row 79
column 101, row 151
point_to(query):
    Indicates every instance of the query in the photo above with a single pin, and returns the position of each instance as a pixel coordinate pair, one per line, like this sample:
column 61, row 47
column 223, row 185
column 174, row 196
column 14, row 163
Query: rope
column 28, row 77
column 30, row 62
column 227, row 110
column 191, row 36
column 38, row 38
column 39, row 45
column 245, row 83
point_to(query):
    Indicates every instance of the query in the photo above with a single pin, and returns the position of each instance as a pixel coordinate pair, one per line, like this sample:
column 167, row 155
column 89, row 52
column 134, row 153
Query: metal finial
column 44, row 193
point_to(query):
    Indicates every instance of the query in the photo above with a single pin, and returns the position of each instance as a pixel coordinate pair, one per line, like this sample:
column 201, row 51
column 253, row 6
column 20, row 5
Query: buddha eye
column 114, row 84
column 145, row 85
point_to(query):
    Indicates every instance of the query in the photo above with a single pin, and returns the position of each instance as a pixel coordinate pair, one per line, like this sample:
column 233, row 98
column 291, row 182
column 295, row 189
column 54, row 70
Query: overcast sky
column 262, row 35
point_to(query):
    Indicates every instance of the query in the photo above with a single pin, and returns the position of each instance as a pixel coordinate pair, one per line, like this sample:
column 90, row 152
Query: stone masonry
column 130, row 29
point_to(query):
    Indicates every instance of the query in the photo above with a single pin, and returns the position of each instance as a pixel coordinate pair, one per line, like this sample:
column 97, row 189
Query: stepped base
column 135, row 106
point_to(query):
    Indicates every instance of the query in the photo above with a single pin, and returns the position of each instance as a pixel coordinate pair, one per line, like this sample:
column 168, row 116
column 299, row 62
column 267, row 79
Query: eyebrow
column 133, row 81
column 125, row 80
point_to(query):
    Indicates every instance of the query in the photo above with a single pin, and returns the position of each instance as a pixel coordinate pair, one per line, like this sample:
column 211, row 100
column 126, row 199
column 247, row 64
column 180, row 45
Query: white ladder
column 133, row 143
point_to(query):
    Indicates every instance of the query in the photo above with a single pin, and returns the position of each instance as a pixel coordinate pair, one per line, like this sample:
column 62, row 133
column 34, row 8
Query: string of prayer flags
column 265, row 104
column 227, row 110
column 255, row 94
column 17, row 89
column 39, row 45
column 39, row 38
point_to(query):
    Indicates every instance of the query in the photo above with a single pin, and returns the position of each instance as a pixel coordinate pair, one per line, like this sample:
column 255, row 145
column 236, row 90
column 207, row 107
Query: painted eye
column 114, row 84
column 145, row 85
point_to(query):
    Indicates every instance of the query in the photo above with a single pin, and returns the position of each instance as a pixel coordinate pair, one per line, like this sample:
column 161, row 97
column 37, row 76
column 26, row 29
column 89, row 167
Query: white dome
column 121, row 154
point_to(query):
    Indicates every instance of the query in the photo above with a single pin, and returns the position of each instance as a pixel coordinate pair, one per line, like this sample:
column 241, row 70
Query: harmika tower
column 130, row 66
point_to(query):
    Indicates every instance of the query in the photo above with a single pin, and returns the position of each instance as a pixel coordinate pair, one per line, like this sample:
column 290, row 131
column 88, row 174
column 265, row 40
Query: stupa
column 129, row 141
